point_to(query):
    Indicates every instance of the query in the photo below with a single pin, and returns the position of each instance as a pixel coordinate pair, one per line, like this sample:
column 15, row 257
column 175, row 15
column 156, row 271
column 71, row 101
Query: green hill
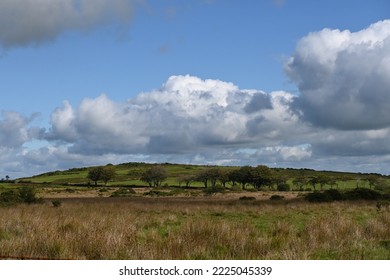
column 129, row 174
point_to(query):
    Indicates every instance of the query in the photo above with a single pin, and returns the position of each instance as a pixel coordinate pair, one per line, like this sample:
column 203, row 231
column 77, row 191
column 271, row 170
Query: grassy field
column 77, row 220
column 194, row 228
column 126, row 174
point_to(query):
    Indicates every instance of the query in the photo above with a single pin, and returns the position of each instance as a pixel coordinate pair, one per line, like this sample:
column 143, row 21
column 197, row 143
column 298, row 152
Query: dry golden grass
column 193, row 228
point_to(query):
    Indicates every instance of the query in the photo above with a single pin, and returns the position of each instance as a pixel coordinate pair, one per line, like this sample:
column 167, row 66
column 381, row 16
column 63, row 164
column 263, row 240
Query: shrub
column 364, row 194
column 9, row 197
column 24, row 194
column 334, row 194
column 56, row 203
column 123, row 192
column 318, row 197
column 156, row 193
column 246, row 198
column 28, row 195
column 213, row 190
column 283, row 187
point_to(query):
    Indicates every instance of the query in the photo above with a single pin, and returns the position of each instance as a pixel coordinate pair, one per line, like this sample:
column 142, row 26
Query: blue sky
column 126, row 55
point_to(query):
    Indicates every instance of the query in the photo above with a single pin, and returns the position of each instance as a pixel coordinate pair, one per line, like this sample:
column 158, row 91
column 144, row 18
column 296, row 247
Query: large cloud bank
column 24, row 22
column 344, row 77
column 340, row 119
column 185, row 116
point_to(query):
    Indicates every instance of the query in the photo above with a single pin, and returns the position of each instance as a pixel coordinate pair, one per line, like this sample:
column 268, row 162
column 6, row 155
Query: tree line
column 258, row 177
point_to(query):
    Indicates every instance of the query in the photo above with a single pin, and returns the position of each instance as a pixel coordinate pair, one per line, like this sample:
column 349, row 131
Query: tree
column 261, row 176
column 332, row 182
column 95, row 174
column 105, row 174
column 233, row 176
column 300, row 182
column 186, row 179
column 213, row 174
column 323, row 180
column 372, row 180
column 281, row 183
column 154, row 176
column 313, row 181
column 223, row 177
column 244, row 176
column 203, row 176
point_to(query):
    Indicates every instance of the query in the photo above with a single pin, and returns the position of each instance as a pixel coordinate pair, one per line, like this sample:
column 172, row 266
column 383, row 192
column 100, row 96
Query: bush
column 318, row 197
column 335, row 195
column 283, row 187
column 123, row 192
column 213, row 190
column 9, row 197
column 382, row 185
column 364, row 194
column 246, row 198
column 56, row 203
column 24, row 194
column 157, row 193
column 326, row 196
column 28, row 195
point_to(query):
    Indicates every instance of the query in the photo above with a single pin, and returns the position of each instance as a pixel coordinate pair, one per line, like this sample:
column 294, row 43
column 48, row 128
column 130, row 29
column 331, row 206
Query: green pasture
column 128, row 174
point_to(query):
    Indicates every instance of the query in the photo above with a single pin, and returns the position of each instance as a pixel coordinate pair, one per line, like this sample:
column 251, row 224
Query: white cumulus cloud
column 344, row 77
column 186, row 115
column 15, row 129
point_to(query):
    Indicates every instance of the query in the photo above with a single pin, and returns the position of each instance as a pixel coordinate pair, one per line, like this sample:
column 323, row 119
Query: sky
column 301, row 84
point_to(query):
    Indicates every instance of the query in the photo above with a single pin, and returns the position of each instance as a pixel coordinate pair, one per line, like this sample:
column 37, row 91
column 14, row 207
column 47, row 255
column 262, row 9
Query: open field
column 128, row 174
column 194, row 228
column 63, row 215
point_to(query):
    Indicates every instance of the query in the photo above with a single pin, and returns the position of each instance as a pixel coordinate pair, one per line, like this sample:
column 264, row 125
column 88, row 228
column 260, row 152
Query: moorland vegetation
column 175, row 211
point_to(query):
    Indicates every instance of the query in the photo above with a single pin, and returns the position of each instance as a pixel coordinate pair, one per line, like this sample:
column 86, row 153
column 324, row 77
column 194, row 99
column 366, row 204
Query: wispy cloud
column 279, row 3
